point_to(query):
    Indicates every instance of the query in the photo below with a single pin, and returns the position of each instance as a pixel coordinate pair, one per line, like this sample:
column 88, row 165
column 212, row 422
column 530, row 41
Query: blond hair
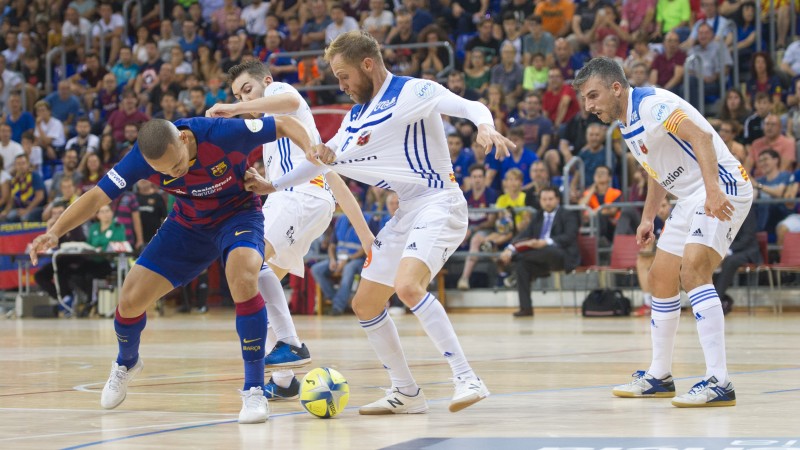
column 354, row 46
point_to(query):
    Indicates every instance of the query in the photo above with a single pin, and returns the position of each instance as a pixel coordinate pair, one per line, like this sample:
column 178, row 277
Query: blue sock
column 251, row 324
column 129, row 333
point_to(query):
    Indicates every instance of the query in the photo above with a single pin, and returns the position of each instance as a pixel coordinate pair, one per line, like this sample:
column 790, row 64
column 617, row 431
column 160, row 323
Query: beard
column 363, row 94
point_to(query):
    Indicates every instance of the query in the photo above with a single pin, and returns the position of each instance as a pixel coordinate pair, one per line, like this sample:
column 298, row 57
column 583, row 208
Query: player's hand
column 645, row 233
column 41, row 244
column 505, row 257
column 222, row 110
column 717, row 205
column 254, row 182
column 321, row 153
column 490, row 139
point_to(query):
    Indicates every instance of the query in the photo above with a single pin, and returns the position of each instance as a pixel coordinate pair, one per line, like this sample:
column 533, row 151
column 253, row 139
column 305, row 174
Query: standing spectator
column 667, row 69
column 27, row 194
column 49, row 131
column 559, row 102
column 19, row 120
column 775, row 140
column 69, row 169
column 345, row 259
column 125, row 70
column 9, row 149
column 64, row 106
column 152, row 208
column 508, row 74
column 556, row 16
column 340, row 23
column 127, row 113
column 84, row 142
column 109, row 28
column 537, row 40
column 537, row 129
column 314, row 29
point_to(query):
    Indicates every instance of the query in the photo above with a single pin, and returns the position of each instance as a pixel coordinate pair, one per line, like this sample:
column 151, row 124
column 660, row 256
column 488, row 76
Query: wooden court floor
column 550, row 378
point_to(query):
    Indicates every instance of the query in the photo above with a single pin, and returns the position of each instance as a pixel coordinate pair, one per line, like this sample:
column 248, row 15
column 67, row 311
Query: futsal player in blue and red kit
column 202, row 162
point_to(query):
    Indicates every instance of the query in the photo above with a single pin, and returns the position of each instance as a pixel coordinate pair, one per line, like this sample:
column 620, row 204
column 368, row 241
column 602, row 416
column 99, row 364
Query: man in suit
column 550, row 242
column 743, row 250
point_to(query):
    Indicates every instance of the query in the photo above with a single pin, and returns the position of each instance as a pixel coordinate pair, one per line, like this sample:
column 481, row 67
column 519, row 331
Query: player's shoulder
column 654, row 105
column 277, row 87
column 414, row 89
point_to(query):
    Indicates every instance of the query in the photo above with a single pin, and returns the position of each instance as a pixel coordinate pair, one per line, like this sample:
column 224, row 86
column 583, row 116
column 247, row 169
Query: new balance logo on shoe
column 697, row 233
column 412, row 246
column 395, row 402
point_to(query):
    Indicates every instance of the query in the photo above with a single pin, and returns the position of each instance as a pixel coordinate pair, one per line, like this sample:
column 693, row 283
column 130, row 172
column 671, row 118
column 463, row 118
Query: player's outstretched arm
column 76, row 215
column 476, row 112
column 292, row 128
column 351, row 209
column 274, row 104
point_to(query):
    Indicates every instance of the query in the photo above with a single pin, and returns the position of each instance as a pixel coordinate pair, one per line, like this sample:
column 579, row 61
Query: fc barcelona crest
column 364, row 138
column 219, row 169
column 641, row 145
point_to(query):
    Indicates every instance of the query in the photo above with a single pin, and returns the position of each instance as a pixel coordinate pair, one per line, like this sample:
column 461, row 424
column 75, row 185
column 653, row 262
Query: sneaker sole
column 468, row 401
column 132, row 376
column 288, row 365
column 625, row 394
column 252, row 421
column 678, row 404
column 282, row 399
column 385, row 412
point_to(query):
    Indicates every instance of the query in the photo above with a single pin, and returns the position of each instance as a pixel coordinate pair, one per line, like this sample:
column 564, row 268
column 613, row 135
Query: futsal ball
column 324, row 392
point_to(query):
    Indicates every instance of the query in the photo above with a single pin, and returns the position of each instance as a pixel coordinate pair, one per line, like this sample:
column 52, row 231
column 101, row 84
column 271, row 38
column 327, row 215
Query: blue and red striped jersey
column 213, row 189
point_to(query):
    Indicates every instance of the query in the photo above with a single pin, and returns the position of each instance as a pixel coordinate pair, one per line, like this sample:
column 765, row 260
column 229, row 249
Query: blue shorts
column 180, row 253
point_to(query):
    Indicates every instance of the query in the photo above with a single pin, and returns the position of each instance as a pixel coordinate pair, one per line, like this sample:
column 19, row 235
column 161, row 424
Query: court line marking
column 219, row 422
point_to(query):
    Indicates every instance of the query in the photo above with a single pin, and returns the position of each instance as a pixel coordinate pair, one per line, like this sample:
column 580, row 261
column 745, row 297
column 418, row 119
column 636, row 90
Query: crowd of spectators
column 516, row 56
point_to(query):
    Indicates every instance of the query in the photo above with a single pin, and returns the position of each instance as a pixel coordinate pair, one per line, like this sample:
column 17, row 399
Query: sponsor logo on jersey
column 452, row 178
column 213, row 189
column 671, row 177
column 660, row 112
column 385, row 104
column 642, row 146
column 650, row 171
column 219, row 169
column 635, row 116
column 377, row 244
column 412, row 246
column 166, row 182
column 117, row 179
column 424, row 90
column 254, row 125
column 698, row 233
column 290, row 235
column 354, row 160
column 364, row 138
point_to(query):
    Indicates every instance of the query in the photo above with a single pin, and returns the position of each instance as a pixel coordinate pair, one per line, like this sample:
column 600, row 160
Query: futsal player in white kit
column 685, row 157
column 394, row 138
column 293, row 218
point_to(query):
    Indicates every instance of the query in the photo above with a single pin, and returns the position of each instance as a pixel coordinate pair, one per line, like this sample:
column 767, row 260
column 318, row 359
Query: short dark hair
column 475, row 167
column 152, row 142
column 255, row 68
column 772, row 153
column 552, row 189
column 84, row 119
column 604, row 68
column 607, row 169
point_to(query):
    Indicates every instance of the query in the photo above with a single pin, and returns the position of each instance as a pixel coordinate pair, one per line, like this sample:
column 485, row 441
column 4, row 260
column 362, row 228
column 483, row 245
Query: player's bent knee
column 409, row 293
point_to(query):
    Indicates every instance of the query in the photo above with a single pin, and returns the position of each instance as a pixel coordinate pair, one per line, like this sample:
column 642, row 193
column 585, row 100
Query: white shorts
column 792, row 223
column 292, row 221
column 688, row 224
column 429, row 228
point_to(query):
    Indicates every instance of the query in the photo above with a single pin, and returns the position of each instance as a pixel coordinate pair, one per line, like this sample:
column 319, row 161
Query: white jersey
column 653, row 118
column 283, row 155
column 397, row 140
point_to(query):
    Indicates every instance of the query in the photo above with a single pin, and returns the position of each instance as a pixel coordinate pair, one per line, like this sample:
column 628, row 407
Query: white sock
column 647, row 298
column 382, row 335
column 283, row 378
column 436, row 324
column 277, row 307
column 710, row 319
column 664, row 318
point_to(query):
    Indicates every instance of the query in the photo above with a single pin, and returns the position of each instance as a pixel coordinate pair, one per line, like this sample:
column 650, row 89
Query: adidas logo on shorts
column 697, row 233
column 412, row 246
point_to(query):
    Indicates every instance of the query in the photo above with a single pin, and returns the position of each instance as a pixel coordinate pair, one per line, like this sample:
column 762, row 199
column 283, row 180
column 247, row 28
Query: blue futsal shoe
column 287, row 356
column 646, row 385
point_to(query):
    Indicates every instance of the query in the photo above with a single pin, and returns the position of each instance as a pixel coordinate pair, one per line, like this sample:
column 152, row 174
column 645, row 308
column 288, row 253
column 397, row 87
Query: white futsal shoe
column 116, row 387
column 254, row 406
column 396, row 402
column 469, row 390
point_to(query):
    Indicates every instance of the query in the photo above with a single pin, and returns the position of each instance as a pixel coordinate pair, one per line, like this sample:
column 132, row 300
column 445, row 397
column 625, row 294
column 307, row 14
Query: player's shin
column 251, row 324
column 129, row 332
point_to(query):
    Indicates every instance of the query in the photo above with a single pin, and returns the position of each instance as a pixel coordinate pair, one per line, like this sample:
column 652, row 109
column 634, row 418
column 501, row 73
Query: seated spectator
column 68, row 193
column 495, row 100
column 674, row 16
column 215, row 93
column 149, row 69
column 179, row 63
column 49, row 131
column 190, row 42
column 167, row 41
column 461, row 156
column 565, row 61
column 639, row 75
column 535, row 76
column 735, row 109
column 667, row 68
column 572, row 137
column 345, row 259
column 716, row 60
column 753, row 125
column 69, row 169
column 64, row 106
column 593, row 154
column 479, row 196
column 340, row 23
column 559, row 101
column 9, row 149
column 27, row 194
column 520, row 158
column 598, row 194
column 106, row 101
column 484, row 40
column 746, row 34
column 90, row 77
column 109, row 27
column 166, row 83
column 5, row 185
column 34, row 152
column 91, row 169
column 508, row 74
column 744, row 250
column 84, row 142
column 282, row 68
column 505, row 225
column 537, row 129
column 537, row 41
column 19, row 120
column 457, row 85
column 548, row 243
column 763, row 78
column 432, row 58
column 126, row 114
column 728, row 131
column 197, row 98
column 556, row 16
column 775, row 140
column 125, row 70
column 131, row 134
column 169, row 108
column 378, row 20
column 540, row 179
column 184, row 97
column 644, row 260
column 108, row 151
column 718, row 26
column 771, row 183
